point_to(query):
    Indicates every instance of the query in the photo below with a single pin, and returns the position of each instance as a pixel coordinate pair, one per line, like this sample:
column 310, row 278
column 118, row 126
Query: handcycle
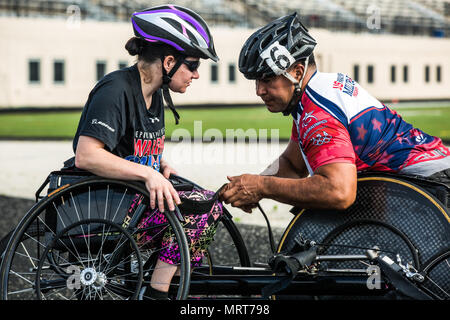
column 80, row 241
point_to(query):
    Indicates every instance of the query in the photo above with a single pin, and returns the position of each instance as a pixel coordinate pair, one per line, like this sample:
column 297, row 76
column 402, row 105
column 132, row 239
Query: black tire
column 360, row 233
column 91, row 198
column 436, row 274
column 228, row 248
column 4, row 243
column 354, row 238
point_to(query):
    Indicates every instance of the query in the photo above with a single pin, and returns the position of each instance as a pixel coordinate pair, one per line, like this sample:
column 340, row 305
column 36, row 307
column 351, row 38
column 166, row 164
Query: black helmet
column 272, row 49
column 178, row 27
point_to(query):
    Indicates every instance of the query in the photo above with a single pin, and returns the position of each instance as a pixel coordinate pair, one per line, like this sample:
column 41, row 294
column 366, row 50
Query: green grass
column 434, row 120
column 36, row 124
column 247, row 119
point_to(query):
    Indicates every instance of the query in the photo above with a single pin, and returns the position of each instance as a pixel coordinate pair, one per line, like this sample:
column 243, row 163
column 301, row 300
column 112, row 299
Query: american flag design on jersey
column 338, row 121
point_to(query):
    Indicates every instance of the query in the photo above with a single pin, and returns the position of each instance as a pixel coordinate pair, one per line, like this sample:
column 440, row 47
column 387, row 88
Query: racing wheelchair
column 81, row 241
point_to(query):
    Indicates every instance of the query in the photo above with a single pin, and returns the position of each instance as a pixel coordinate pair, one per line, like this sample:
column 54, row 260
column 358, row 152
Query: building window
column 123, row 64
column 232, row 72
column 405, row 73
column 438, row 74
column 427, row 73
column 101, row 69
column 356, row 72
column 34, row 71
column 214, row 73
column 393, row 74
column 58, row 71
column 370, row 78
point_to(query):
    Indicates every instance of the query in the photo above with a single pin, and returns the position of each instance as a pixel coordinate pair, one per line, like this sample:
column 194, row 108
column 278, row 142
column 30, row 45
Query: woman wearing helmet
column 121, row 131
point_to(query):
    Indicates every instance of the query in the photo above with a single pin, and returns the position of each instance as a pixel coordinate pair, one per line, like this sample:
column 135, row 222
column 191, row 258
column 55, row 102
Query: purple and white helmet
column 176, row 26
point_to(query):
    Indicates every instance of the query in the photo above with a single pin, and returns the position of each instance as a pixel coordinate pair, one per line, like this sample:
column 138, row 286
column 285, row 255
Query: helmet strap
column 296, row 96
column 167, row 77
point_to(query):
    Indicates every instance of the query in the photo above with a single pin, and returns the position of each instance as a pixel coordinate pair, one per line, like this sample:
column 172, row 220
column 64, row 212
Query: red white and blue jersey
column 339, row 121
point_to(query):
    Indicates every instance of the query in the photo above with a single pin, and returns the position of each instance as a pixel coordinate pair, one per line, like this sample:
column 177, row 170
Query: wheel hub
column 100, row 282
column 88, row 276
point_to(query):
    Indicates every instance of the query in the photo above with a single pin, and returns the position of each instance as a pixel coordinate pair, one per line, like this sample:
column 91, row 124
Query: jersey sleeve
column 104, row 117
column 325, row 139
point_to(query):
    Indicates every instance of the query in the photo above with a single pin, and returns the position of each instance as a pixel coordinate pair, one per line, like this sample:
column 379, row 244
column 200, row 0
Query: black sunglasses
column 192, row 64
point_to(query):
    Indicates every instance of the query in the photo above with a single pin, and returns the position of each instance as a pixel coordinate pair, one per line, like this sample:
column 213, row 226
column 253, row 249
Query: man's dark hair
column 311, row 61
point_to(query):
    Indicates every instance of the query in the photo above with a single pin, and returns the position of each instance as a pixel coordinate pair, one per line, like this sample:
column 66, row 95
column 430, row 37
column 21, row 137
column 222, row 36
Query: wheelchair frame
column 247, row 281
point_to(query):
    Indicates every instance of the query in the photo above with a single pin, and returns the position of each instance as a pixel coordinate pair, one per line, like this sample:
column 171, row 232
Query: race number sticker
column 277, row 58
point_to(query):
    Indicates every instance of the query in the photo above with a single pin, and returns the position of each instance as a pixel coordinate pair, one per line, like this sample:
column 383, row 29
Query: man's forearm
column 312, row 192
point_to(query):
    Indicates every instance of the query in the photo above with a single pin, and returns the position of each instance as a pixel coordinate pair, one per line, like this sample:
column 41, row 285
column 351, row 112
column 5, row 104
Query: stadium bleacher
column 417, row 17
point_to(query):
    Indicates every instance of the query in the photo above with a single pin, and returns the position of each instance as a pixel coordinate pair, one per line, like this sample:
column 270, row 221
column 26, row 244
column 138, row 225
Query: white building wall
column 22, row 39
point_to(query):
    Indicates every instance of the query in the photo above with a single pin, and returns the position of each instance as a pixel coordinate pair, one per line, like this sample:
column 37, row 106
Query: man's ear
column 298, row 71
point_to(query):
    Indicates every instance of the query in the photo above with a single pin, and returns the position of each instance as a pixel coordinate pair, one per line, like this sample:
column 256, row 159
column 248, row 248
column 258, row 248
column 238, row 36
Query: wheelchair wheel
column 355, row 237
column 228, row 248
column 87, row 199
column 436, row 274
column 97, row 260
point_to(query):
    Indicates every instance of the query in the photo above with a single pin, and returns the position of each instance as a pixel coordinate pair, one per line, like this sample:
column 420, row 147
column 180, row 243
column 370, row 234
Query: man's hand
column 249, row 208
column 243, row 191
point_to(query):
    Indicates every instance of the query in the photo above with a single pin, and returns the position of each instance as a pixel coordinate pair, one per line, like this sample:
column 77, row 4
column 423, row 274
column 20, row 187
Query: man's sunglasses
column 192, row 64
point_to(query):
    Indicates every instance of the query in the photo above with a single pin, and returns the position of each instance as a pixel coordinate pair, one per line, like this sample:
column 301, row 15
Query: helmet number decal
column 278, row 58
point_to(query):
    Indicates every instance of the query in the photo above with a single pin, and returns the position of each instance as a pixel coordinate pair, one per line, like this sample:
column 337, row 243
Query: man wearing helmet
column 338, row 128
column 121, row 131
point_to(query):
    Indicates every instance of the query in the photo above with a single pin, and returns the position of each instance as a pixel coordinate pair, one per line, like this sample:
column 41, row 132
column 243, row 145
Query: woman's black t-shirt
column 115, row 113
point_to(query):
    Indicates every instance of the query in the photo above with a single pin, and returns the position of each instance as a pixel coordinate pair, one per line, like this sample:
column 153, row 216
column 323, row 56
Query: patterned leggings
column 199, row 228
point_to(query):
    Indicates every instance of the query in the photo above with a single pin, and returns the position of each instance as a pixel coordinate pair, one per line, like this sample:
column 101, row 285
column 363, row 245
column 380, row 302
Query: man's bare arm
column 332, row 186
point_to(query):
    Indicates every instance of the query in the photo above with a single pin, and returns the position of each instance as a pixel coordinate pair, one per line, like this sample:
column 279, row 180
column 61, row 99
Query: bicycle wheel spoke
column 21, row 277
column 21, row 291
column 112, row 293
column 106, row 200
column 439, row 287
column 70, row 238
column 120, row 205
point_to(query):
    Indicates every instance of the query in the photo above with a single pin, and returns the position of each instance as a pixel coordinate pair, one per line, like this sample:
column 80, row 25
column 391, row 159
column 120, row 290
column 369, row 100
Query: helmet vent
column 283, row 40
column 265, row 43
column 192, row 37
column 173, row 23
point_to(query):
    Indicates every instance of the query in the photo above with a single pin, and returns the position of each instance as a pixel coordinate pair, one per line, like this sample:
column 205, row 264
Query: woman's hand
column 167, row 170
column 160, row 188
